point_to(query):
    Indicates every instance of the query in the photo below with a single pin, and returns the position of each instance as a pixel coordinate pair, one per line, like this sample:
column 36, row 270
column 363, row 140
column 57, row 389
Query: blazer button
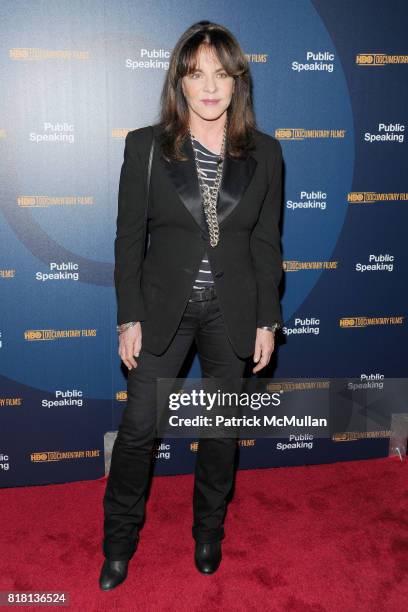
column 218, row 274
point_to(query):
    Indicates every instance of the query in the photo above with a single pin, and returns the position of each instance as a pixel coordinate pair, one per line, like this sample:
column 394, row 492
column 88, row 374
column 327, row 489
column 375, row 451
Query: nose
column 210, row 84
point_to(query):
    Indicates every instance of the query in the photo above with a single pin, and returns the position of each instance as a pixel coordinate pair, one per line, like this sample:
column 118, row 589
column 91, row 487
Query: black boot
column 207, row 556
column 113, row 573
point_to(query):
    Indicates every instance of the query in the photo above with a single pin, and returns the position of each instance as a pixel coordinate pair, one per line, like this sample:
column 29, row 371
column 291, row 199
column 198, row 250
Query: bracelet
column 271, row 328
column 124, row 326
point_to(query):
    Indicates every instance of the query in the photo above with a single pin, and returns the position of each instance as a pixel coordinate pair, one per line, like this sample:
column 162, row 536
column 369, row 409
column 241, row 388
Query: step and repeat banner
column 329, row 81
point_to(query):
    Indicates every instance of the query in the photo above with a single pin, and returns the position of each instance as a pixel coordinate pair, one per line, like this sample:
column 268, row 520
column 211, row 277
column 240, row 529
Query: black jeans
column 124, row 499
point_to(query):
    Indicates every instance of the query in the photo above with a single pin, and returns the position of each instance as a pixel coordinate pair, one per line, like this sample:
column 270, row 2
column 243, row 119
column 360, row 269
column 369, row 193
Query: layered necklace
column 209, row 193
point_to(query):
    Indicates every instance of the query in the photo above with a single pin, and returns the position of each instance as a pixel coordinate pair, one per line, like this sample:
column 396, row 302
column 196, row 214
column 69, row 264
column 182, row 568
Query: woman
column 210, row 275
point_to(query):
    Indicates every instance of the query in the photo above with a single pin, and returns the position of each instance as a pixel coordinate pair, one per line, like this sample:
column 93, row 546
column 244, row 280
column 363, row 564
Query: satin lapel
column 237, row 175
column 183, row 175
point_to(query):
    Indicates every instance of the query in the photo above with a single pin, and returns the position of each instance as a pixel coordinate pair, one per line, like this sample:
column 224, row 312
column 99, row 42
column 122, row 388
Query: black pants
column 124, row 500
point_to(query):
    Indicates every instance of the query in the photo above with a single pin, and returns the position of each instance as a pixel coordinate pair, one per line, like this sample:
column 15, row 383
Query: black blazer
column 246, row 263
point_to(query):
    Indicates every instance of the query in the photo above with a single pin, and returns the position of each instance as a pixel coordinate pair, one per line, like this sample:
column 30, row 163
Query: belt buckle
column 201, row 294
column 208, row 292
column 196, row 295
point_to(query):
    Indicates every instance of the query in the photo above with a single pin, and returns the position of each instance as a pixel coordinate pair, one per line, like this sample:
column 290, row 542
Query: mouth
column 209, row 102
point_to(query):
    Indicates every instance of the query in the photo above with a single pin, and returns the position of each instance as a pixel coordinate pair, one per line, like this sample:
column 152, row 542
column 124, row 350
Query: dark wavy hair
column 174, row 113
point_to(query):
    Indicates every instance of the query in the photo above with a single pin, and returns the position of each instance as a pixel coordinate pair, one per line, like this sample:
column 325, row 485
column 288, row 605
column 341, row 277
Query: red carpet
column 309, row 539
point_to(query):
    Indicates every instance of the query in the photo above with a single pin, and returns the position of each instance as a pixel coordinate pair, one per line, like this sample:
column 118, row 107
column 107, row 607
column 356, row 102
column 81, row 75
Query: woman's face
column 208, row 90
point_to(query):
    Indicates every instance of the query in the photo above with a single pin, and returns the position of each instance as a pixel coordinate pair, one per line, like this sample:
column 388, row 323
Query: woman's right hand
column 130, row 344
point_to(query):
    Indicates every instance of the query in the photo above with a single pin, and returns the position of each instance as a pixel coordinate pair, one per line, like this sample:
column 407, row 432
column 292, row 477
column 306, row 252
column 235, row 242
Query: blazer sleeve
column 265, row 246
column 130, row 232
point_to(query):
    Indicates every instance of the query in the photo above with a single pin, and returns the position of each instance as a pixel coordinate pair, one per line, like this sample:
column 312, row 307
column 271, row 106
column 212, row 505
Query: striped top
column 207, row 163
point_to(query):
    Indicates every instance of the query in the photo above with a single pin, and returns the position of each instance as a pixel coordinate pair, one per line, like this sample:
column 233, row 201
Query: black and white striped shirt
column 207, row 163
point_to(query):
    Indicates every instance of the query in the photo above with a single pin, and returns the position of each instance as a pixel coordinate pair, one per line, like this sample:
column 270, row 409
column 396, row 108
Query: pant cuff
column 116, row 551
column 207, row 537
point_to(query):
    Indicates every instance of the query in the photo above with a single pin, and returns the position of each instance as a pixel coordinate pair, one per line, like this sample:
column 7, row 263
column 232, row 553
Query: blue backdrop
column 330, row 82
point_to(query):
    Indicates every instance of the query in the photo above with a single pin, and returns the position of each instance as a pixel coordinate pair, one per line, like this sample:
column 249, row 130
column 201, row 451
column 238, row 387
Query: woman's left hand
column 264, row 346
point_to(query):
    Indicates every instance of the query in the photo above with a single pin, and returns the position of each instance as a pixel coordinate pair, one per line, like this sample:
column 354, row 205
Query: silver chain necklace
column 209, row 193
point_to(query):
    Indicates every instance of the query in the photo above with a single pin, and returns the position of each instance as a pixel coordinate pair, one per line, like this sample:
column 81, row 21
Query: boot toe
column 112, row 574
column 207, row 556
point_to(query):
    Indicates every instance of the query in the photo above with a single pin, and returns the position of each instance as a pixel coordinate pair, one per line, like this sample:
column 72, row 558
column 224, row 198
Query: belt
column 203, row 293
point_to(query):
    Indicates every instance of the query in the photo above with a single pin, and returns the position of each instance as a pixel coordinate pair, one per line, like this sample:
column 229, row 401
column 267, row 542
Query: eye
column 223, row 74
